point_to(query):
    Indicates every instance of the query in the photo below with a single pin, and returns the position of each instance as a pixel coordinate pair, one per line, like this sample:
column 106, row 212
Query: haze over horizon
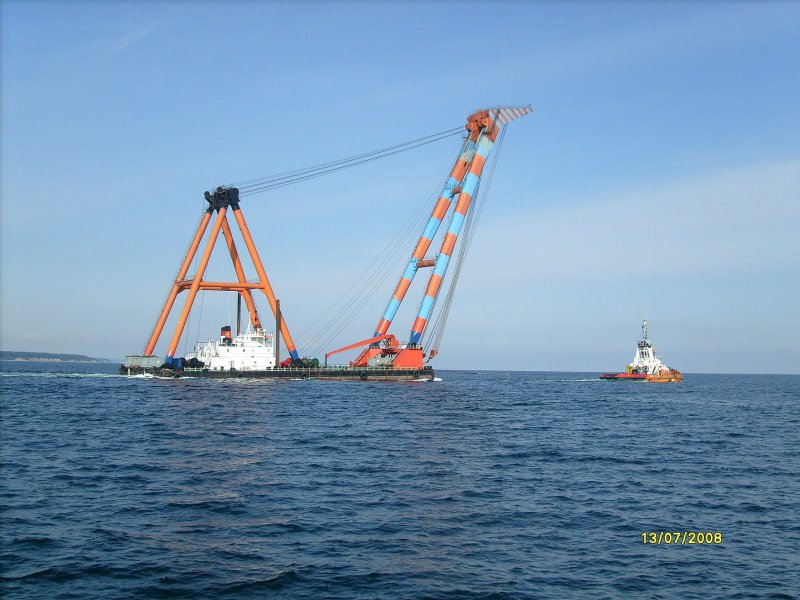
column 658, row 177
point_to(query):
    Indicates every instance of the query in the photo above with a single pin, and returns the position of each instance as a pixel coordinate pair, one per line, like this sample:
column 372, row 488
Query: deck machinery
column 383, row 356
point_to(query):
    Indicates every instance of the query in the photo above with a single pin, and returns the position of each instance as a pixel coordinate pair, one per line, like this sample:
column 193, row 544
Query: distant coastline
column 48, row 357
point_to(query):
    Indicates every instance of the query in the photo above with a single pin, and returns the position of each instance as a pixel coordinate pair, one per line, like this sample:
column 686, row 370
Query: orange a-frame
column 219, row 201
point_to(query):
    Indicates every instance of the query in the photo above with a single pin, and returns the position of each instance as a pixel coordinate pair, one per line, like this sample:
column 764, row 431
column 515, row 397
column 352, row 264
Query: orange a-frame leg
column 262, row 276
column 219, row 201
column 187, row 261
column 237, row 265
column 198, row 277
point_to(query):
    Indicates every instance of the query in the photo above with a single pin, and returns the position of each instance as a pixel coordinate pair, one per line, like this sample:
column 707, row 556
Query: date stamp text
column 682, row 537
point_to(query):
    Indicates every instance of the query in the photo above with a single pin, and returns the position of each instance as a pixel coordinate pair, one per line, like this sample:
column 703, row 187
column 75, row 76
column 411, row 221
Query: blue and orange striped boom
column 483, row 128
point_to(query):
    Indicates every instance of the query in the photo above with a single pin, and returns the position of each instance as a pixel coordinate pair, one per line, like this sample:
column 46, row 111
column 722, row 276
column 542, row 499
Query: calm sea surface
column 482, row 485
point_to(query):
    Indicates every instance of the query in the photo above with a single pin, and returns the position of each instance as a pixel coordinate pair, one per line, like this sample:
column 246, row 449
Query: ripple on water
column 482, row 485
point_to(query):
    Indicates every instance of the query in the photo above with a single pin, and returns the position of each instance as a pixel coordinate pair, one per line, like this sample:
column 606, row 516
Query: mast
column 277, row 333
column 238, row 313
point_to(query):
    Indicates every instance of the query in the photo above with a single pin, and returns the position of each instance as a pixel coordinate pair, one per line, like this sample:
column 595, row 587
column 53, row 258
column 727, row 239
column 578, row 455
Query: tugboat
column 646, row 366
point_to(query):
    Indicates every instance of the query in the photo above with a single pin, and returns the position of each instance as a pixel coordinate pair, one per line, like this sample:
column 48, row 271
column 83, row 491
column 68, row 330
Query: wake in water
column 61, row 375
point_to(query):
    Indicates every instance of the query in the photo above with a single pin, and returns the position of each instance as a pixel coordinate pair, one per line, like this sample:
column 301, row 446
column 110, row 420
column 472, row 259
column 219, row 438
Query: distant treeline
column 10, row 355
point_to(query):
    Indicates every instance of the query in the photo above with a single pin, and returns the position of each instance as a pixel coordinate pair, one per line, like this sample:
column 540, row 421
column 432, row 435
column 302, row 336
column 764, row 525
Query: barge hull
column 334, row 374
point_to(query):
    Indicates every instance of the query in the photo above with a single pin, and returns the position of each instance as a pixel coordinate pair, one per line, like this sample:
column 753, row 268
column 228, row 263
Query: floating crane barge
column 255, row 352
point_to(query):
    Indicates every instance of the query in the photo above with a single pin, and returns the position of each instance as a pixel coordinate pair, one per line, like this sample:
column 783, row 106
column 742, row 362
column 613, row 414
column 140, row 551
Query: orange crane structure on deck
column 483, row 128
column 220, row 201
column 382, row 350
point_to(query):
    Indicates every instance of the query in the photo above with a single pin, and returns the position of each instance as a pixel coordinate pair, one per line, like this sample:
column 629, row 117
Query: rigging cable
column 379, row 277
column 199, row 321
column 378, row 272
column 437, row 330
column 178, row 271
column 185, row 333
column 254, row 186
column 369, row 286
column 384, row 262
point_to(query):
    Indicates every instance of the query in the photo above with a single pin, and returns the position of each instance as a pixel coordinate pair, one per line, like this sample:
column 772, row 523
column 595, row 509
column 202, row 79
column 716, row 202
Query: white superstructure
column 253, row 350
column 645, row 360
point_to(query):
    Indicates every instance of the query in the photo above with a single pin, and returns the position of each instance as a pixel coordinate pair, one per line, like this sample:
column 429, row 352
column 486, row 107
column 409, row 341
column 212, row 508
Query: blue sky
column 659, row 176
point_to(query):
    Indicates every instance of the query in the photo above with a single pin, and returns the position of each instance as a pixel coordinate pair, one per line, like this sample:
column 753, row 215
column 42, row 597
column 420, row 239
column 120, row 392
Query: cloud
column 742, row 221
column 133, row 36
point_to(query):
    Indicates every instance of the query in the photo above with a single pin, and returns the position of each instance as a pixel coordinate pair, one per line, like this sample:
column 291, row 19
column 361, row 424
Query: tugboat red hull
column 665, row 376
column 645, row 366
column 624, row 376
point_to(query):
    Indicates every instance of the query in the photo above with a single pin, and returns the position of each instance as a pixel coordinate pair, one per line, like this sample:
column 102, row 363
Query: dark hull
column 333, row 374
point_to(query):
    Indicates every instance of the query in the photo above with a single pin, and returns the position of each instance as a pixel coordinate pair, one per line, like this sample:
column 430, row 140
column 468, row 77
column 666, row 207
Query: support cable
column 378, row 271
column 352, row 303
column 255, row 186
column 199, row 322
column 437, row 331
column 185, row 334
column 369, row 285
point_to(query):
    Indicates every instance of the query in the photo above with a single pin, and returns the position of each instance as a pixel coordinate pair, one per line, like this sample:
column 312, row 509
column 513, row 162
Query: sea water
column 481, row 485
